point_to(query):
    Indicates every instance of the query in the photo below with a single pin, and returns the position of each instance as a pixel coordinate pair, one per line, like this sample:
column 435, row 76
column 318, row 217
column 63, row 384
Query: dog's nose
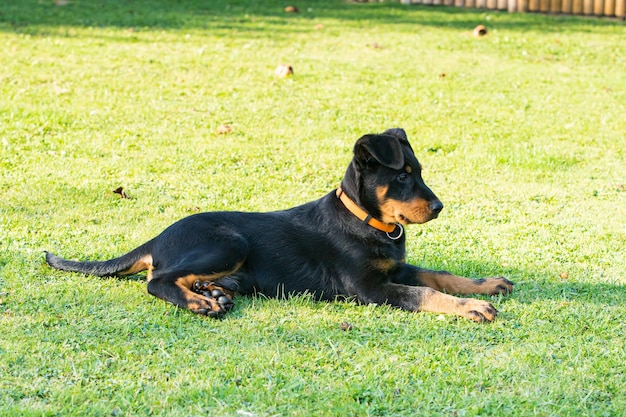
column 435, row 206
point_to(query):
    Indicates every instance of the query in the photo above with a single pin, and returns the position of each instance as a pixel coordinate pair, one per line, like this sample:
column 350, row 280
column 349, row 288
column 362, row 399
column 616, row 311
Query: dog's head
column 385, row 179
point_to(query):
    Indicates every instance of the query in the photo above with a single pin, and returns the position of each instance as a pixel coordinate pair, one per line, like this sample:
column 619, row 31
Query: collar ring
column 400, row 233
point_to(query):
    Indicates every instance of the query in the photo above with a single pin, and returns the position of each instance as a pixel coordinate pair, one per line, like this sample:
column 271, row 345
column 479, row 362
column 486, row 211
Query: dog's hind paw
column 220, row 302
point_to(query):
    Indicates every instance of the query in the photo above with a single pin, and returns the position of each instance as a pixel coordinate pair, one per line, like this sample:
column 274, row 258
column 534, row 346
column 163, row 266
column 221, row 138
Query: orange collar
column 366, row 217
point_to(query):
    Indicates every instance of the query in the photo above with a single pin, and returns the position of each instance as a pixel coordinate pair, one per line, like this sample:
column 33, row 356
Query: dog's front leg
column 452, row 284
column 415, row 298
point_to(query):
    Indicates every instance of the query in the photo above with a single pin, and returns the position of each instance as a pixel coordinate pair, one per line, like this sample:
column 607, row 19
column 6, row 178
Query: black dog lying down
column 348, row 243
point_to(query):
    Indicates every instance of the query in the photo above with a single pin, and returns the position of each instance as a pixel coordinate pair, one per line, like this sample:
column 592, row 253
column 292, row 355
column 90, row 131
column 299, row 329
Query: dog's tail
column 137, row 260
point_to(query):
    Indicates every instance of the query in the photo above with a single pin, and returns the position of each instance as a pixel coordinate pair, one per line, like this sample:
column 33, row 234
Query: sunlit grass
column 521, row 134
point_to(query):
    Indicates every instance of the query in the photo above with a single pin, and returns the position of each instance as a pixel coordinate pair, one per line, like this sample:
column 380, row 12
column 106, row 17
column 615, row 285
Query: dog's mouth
column 416, row 212
column 404, row 220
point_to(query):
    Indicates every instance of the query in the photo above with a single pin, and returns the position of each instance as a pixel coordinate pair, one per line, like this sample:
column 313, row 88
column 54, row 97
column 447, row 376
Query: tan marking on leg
column 141, row 265
column 149, row 275
column 384, row 265
column 437, row 302
column 187, row 281
column 197, row 301
column 453, row 284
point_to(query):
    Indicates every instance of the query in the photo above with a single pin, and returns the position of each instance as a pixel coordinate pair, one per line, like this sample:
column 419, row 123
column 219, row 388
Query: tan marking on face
column 381, row 192
column 403, row 212
column 141, row 265
column 408, row 169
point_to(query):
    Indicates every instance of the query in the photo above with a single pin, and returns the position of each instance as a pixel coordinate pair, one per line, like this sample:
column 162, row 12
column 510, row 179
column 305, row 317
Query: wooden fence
column 612, row 8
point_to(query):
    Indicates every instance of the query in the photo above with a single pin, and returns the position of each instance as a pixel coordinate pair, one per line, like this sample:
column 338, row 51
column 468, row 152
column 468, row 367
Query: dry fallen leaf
column 121, row 192
column 564, row 275
column 291, row 9
column 224, row 129
column 480, row 30
column 284, row 70
column 345, row 326
column 319, row 26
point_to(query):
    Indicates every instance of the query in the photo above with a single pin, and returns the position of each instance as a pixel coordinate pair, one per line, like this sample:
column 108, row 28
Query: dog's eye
column 403, row 178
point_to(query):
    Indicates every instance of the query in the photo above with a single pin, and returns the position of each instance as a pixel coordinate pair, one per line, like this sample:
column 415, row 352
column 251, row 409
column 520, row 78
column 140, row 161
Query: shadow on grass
column 263, row 18
column 532, row 285
column 525, row 292
column 605, row 294
column 543, row 285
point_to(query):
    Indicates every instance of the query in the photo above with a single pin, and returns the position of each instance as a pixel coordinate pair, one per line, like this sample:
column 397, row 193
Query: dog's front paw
column 217, row 301
column 477, row 310
column 495, row 286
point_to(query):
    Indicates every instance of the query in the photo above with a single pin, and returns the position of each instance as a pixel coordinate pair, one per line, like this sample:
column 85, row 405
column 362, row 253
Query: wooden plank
column 427, row 2
column 566, row 6
column 620, row 8
column 587, row 7
column 522, row 6
column 544, row 6
column 609, row 7
column 437, row 2
column 555, row 6
column 448, row 2
column 502, row 4
column 577, row 6
column 481, row 4
column 598, row 7
column 470, row 3
column 459, row 3
column 533, row 5
column 512, row 6
column 492, row 4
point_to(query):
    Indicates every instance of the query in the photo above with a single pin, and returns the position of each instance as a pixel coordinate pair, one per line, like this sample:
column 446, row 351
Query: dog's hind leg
column 190, row 283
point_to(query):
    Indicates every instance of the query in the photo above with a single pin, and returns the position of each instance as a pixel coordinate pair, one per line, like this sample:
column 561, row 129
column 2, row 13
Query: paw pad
column 222, row 303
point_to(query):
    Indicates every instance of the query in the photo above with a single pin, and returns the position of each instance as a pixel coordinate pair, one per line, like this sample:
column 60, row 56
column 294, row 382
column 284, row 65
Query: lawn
column 522, row 134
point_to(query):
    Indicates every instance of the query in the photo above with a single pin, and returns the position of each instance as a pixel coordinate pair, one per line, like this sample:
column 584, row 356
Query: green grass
column 523, row 139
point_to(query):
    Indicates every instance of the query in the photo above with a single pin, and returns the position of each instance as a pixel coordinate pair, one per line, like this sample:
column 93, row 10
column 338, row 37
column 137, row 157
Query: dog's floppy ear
column 385, row 149
column 400, row 134
column 397, row 132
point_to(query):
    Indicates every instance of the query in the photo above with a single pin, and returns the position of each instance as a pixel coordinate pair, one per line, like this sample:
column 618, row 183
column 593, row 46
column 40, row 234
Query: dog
column 348, row 244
